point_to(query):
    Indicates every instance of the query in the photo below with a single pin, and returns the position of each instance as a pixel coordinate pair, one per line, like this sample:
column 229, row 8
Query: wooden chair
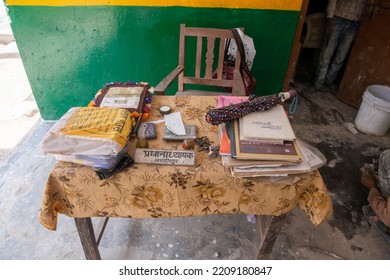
column 315, row 24
column 200, row 71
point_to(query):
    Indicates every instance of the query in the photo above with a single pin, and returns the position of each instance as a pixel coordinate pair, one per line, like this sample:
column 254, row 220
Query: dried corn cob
column 254, row 103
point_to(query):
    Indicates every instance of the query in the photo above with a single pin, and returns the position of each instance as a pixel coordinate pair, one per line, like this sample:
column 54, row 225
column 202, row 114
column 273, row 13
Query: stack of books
column 263, row 143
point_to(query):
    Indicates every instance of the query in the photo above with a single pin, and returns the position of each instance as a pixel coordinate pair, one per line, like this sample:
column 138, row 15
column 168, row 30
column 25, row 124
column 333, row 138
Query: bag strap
column 244, row 65
column 240, row 47
column 227, row 44
column 228, row 57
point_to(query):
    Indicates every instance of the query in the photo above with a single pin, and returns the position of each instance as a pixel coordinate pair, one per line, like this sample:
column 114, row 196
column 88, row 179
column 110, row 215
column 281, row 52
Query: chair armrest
column 238, row 88
column 167, row 81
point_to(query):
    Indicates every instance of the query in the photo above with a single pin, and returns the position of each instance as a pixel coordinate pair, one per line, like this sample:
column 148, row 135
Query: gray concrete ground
column 18, row 109
column 319, row 120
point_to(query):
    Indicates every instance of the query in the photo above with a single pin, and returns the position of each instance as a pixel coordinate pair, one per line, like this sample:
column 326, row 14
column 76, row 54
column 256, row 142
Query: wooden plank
column 295, row 47
column 198, row 61
column 209, row 57
column 194, row 92
column 208, row 32
column 87, row 237
column 182, row 47
column 221, row 58
column 167, row 81
column 209, row 82
column 270, row 233
column 368, row 62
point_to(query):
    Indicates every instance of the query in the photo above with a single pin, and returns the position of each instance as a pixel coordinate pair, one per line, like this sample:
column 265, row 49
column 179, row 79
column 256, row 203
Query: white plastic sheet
column 249, row 46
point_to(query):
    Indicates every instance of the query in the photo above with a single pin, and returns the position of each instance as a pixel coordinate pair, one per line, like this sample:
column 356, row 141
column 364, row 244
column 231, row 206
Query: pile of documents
column 91, row 136
column 264, row 144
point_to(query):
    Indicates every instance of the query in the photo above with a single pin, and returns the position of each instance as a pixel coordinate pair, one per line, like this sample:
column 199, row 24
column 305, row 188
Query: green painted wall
column 69, row 53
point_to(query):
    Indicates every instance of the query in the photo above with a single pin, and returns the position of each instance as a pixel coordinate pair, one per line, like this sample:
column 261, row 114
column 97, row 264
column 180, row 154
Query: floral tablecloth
column 148, row 190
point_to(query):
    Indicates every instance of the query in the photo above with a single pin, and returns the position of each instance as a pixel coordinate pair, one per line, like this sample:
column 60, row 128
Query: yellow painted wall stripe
column 294, row 5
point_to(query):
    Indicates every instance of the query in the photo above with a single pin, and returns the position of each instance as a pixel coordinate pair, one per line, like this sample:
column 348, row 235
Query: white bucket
column 373, row 117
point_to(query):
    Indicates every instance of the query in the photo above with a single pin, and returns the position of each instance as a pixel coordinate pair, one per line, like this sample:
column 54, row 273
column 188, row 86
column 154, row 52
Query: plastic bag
column 249, row 47
column 89, row 131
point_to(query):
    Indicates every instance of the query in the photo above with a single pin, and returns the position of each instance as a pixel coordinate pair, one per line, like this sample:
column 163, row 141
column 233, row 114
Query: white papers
column 174, row 123
column 312, row 159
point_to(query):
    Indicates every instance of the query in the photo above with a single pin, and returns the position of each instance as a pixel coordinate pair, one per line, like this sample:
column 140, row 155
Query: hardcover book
column 272, row 126
column 310, row 162
column 258, row 150
column 223, row 101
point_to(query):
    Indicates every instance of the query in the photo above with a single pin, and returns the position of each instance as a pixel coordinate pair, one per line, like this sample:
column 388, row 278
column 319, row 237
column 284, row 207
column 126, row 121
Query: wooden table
column 150, row 190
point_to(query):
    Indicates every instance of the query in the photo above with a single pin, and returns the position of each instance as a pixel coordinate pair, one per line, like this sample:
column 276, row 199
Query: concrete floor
column 319, row 120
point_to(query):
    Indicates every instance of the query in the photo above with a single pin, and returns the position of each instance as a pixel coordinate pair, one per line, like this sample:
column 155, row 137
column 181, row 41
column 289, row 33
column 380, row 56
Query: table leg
column 269, row 231
column 87, row 237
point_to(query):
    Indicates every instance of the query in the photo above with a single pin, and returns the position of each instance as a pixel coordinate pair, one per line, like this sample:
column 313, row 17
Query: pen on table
column 136, row 127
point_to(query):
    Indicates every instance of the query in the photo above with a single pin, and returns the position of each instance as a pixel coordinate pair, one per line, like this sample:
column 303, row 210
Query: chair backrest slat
column 198, row 63
column 209, row 57
column 221, row 58
column 207, row 69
